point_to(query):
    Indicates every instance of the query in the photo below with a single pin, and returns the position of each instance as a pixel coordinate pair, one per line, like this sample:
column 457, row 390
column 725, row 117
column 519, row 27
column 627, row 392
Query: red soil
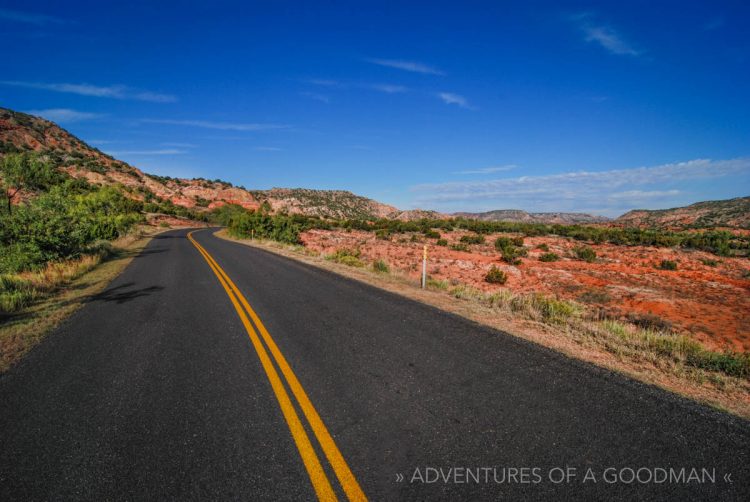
column 710, row 303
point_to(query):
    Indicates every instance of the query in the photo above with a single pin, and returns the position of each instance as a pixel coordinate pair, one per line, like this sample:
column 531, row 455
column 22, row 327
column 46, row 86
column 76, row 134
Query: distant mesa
column 520, row 216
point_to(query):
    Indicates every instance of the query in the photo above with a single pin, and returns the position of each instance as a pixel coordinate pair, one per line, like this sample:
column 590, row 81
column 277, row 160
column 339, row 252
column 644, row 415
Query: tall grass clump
column 381, row 267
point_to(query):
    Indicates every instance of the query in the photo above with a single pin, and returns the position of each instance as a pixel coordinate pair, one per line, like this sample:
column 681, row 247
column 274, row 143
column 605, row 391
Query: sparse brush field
column 682, row 291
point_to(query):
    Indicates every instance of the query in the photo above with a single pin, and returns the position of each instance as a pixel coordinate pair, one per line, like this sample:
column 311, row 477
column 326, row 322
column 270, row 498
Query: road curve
column 155, row 390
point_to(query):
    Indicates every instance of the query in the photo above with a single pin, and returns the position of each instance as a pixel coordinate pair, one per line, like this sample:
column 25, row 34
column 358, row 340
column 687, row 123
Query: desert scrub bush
column 503, row 242
column 585, row 253
column 496, row 276
column 380, row 266
column 459, row 246
column 668, row 265
column 549, row 257
column 431, row 234
column 517, row 241
column 650, row 322
column 383, row 234
column 472, row 239
column 442, row 242
column 511, row 255
column 594, row 296
column 709, row 263
column 346, row 257
column 543, row 247
column 15, row 293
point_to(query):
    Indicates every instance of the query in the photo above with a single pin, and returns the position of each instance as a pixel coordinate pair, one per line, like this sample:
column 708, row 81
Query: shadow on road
column 117, row 294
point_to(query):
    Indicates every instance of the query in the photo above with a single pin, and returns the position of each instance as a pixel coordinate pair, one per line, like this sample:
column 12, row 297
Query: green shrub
column 668, row 265
column 459, row 246
column 517, row 241
column 501, row 243
column 262, row 225
column 442, row 242
column 496, row 276
column 346, row 257
column 383, row 234
column 512, row 255
column 549, row 257
column 380, row 266
column 543, row 247
column 709, row 263
column 431, row 234
column 585, row 253
column 472, row 239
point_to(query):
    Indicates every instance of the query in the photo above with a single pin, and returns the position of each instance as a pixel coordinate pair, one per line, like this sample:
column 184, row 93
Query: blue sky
column 456, row 106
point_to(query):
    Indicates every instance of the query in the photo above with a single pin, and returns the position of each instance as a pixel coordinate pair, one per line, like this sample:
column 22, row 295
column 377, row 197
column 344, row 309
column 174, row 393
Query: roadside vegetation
column 59, row 231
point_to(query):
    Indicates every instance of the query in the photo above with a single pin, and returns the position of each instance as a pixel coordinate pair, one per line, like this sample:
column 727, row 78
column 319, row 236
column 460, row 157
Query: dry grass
column 674, row 362
column 58, row 290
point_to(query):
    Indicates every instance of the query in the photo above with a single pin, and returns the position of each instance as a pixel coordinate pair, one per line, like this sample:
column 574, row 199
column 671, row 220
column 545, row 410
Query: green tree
column 26, row 171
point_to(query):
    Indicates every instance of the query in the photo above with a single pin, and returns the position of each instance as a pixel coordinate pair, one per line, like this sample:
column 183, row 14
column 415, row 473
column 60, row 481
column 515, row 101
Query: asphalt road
column 155, row 391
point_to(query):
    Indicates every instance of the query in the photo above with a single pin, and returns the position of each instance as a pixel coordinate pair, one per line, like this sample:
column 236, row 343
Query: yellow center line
column 344, row 474
column 318, row 477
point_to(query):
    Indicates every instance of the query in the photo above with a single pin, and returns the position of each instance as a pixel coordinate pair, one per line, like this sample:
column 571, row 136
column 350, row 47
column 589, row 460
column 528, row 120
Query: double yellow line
column 318, row 477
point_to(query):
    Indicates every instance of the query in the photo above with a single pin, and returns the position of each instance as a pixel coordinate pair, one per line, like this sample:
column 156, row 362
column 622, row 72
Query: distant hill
column 731, row 213
column 22, row 132
column 520, row 216
column 337, row 204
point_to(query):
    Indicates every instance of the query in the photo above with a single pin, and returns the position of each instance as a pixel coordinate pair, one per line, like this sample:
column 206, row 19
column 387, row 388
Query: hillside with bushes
column 731, row 213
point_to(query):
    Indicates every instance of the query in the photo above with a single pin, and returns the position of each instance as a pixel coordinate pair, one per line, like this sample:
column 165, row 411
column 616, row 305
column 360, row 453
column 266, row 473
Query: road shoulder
column 20, row 332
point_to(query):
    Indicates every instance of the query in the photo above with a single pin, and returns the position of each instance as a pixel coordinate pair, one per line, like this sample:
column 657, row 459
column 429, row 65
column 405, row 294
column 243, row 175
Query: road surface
column 199, row 372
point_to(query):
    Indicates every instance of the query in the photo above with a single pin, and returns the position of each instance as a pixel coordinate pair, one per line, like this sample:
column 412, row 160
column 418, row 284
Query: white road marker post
column 424, row 267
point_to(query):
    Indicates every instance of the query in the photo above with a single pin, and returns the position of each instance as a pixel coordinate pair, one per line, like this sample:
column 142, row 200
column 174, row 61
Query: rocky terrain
column 520, row 216
column 732, row 213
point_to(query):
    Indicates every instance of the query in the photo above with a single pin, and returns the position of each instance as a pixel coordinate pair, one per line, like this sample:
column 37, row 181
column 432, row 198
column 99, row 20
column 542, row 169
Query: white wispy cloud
column 450, row 98
column 178, row 144
column 412, row 66
column 606, row 192
column 110, row 91
column 387, row 88
column 64, row 115
column 606, row 36
column 34, row 18
column 644, row 194
column 488, row 170
column 344, row 85
column 323, row 82
column 224, row 126
column 317, row 97
column 165, row 151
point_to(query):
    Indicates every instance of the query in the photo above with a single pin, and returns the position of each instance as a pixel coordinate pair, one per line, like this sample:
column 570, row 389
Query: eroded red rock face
column 712, row 303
